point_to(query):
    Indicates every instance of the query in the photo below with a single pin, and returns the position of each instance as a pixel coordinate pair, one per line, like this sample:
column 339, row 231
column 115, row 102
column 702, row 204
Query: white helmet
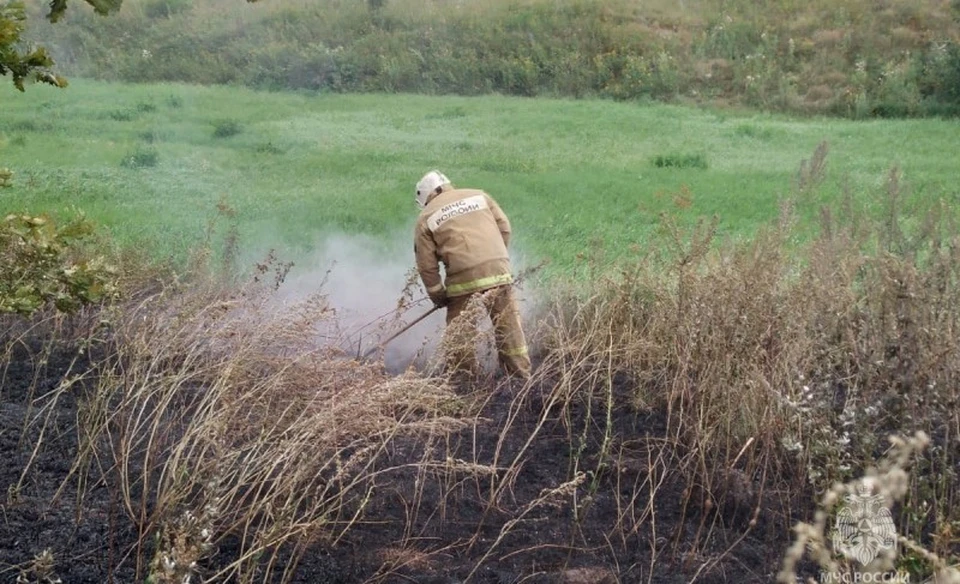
column 428, row 184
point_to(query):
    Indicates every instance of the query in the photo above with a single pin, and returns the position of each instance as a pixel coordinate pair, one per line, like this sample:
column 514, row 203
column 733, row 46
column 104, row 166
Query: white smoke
column 364, row 285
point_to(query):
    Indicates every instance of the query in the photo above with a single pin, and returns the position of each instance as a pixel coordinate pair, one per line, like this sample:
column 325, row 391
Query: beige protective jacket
column 467, row 231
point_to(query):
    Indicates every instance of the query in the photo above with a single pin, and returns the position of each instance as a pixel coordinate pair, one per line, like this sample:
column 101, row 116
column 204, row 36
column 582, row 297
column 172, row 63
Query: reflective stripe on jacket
column 467, row 231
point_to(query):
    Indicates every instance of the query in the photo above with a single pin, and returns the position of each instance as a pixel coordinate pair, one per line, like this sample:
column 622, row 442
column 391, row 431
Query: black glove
column 440, row 299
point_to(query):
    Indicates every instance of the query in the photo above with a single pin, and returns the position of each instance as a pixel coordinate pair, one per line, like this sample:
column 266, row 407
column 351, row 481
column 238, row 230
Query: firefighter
column 466, row 230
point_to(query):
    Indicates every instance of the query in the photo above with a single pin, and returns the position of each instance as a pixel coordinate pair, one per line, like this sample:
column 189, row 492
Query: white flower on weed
column 146, row 54
column 791, row 444
column 830, row 499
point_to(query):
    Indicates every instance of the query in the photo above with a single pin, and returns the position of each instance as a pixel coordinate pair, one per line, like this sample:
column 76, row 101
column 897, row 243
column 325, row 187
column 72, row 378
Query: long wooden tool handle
column 401, row 331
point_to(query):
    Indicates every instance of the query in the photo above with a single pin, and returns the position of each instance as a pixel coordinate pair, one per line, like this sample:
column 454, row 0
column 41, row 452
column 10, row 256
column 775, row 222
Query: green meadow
column 149, row 163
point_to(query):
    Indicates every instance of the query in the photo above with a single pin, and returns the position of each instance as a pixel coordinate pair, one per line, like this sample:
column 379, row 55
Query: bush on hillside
column 938, row 76
column 897, row 62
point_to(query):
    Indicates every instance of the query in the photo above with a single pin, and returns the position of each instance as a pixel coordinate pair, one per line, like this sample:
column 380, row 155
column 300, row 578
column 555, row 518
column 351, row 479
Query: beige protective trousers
column 501, row 306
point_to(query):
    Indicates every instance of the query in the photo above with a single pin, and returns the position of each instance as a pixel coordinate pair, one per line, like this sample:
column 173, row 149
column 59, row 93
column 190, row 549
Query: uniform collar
column 443, row 189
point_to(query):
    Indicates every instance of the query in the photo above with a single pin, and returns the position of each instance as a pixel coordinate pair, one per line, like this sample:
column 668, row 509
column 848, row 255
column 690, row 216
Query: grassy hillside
column 151, row 162
column 854, row 58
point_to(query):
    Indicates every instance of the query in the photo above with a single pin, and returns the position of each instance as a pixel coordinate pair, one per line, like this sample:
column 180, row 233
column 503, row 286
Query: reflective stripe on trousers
column 479, row 283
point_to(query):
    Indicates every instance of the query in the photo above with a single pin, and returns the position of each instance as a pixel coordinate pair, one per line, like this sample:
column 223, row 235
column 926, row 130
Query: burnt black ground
column 89, row 538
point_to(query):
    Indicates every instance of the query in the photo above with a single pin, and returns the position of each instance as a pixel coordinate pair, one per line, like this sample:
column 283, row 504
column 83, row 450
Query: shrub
column 122, row 115
column 938, row 73
column 43, row 263
column 270, row 148
column 752, row 131
column 25, row 126
column 150, row 136
column 449, row 113
column 141, row 158
column 226, row 128
column 175, row 101
column 146, row 107
column 678, row 160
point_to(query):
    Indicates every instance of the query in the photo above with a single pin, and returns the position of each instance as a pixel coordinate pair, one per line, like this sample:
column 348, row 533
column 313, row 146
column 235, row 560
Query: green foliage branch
column 34, row 62
column 25, row 63
column 43, row 263
column 15, row 60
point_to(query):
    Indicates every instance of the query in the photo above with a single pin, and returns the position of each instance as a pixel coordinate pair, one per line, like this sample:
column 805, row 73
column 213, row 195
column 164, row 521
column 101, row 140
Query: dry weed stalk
column 40, row 570
column 550, row 497
column 812, row 172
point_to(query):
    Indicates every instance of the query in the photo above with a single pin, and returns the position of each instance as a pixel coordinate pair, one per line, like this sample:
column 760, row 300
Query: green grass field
column 147, row 162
